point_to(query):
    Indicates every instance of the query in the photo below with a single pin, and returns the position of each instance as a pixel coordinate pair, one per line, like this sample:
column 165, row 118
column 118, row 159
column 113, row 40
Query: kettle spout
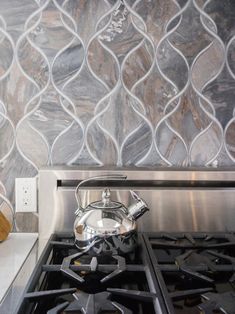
column 135, row 211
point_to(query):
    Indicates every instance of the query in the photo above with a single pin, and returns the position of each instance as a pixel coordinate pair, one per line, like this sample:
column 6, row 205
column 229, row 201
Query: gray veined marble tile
column 67, row 145
column 32, row 144
column 221, row 92
column 190, row 126
column 120, row 35
column 15, row 13
column 16, row 91
column 229, row 138
column 231, row 55
column 6, row 136
column 2, row 114
column 208, row 66
column 173, row 66
column 115, row 83
column 152, row 159
column 6, row 54
column 85, row 91
column 103, row 64
column 67, row 63
column 33, row 64
column 116, row 121
column 182, row 3
column 15, row 166
column 171, row 147
column 137, row 145
column 2, row 190
column 154, row 92
column 222, row 12
column 101, row 146
column 86, row 14
column 155, row 14
column 27, row 222
column 190, row 36
column 223, row 159
column 119, row 117
column 138, row 64
column 49, row 117
column 189, row 119
column 87, row 158
column 211, row 135
column 45, row 33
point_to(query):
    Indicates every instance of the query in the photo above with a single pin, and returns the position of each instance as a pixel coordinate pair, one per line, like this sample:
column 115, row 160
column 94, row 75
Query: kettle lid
column 101, row 204
column 106, row 202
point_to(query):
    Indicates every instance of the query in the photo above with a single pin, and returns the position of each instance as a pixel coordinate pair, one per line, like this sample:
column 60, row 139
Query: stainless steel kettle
column 107, row 226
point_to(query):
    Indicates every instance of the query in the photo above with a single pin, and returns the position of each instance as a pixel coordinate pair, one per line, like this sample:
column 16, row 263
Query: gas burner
column 192, row 258
column 90, row 304
column 70, row 281
column 224, row 302
column 96, row 303
column 92, row 267
column 226, row 258
column 192, row 241
column 184, row 268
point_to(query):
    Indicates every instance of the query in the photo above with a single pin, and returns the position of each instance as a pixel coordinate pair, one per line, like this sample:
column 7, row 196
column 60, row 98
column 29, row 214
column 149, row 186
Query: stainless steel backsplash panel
column 179, row 200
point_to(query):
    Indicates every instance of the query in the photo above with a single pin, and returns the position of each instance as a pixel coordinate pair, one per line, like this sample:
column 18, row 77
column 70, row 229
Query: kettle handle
column 101, row 177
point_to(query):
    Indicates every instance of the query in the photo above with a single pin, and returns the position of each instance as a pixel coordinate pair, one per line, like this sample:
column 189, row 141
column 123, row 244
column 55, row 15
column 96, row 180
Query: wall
column 146, row 83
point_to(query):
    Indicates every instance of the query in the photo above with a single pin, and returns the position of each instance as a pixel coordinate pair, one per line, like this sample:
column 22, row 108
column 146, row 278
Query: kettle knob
column 106, row 196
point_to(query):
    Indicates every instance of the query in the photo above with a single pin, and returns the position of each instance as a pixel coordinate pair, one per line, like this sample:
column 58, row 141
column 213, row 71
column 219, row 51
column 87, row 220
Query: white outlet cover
column 26, row 194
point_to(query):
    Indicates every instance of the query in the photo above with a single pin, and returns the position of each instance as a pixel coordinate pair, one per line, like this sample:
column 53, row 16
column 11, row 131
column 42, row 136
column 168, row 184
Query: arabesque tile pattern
column 105, row 82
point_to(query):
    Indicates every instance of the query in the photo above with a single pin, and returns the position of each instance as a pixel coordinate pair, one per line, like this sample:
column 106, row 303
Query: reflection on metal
column 185, row 200
column 144, row 83
column 107, row 224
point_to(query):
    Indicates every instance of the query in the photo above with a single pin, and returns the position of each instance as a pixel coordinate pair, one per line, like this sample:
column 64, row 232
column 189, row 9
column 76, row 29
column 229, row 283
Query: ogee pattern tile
column 114, row 82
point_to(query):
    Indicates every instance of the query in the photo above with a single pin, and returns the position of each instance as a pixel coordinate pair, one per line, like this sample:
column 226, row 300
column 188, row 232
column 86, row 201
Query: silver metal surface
column 101, row 177
column 105, row 229
column 179, row 200
column 105, row 224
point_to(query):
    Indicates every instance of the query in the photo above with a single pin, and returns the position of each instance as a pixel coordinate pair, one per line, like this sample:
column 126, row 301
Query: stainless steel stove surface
column 188, row 273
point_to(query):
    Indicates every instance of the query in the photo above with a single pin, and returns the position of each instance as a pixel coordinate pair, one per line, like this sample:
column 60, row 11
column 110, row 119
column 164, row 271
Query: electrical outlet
column 26, row 194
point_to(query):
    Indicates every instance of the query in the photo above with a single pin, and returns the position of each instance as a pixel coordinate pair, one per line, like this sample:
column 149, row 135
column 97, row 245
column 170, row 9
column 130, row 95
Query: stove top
column 168, row 273
column 69, row 281
column 195, row 271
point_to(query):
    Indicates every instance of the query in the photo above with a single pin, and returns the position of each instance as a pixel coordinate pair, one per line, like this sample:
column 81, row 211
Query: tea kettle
column 106, row 225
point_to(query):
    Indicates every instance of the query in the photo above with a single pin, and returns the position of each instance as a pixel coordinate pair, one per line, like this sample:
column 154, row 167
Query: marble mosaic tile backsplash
column 115, row 82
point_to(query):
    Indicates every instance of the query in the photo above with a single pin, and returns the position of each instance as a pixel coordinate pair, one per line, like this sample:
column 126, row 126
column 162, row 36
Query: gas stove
column 67, row 280
column 195, row 271
column 167, row 273
column 184, row 261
